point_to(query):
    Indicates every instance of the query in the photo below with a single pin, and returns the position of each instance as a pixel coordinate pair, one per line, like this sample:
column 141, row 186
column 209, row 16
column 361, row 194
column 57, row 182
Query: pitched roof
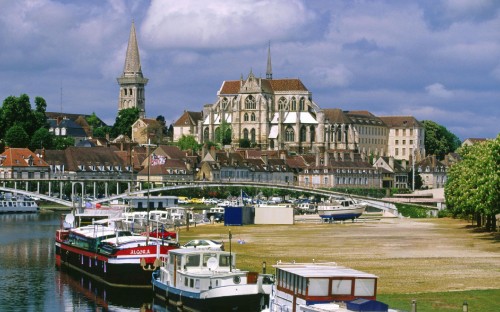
column 20, row 157
column 336, row 115
column 401, row 121
column 188, row 118
column 172, row 152
column 270, row 85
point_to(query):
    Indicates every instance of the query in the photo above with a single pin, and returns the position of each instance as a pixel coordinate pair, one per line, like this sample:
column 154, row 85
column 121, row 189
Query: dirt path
column 408, row 255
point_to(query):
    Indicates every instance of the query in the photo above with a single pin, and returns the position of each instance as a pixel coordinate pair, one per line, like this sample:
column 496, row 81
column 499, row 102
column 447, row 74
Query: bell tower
column 132, row 82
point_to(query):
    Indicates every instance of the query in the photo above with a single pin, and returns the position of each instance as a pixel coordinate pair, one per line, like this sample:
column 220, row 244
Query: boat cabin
column 313, row 283
column 198, row 270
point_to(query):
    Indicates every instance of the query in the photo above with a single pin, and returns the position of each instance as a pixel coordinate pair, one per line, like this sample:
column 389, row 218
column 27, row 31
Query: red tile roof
column 18, row 157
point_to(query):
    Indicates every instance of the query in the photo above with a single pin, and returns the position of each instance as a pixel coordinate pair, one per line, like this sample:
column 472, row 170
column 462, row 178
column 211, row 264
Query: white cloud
column 221, row 23
column 337, row 76
column 438, row 90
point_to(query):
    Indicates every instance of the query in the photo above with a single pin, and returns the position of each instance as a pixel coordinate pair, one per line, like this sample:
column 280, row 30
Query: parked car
column 182, row 200
column 161, row 233
column 204, row 244
column 211, row 201
column 196, row 201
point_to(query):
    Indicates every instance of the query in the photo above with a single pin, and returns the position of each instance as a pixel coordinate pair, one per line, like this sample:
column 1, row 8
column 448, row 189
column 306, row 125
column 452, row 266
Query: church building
column 132, row 82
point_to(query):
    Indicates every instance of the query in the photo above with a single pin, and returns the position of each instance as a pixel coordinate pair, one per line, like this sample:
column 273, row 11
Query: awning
column 273, row 134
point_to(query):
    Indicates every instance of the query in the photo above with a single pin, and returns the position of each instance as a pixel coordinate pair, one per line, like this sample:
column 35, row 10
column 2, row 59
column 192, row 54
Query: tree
column 223, row 134
column 162, row 122
column 61, row 143
column 473, row 186
column 244, row 143
column 188, row 142
column 42, row 138
column 100, row 132
column 124, row 121
column 438, row 140
column 17, row 111
column 16, row 137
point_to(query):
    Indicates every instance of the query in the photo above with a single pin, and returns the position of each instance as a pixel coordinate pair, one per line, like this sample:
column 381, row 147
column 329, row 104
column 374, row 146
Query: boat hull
column 334, row 213
column 116, row 270
column 241, row 298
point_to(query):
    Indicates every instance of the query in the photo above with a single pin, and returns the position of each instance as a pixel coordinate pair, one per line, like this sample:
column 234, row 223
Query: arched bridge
column 389, row 207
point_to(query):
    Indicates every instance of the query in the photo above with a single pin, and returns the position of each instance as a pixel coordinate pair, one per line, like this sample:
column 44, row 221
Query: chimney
column 188, row 166
column 351, row 154
column 336, row 156
column 317, row 159
column 403, row 163
column 212, row 151
column 391, row 162
column 283, row 155
column 327, row 159
column 341, row 154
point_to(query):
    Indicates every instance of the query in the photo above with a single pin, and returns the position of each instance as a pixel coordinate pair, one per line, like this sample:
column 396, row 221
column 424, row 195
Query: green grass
column 477, row 300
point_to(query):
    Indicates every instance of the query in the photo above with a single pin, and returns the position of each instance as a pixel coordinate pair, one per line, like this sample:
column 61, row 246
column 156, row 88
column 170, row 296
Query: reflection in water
column 29, row 280
column 100, row 296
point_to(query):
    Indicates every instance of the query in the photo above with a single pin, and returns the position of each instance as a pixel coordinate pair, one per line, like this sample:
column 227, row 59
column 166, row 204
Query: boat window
column 208, row 256
column 186, row 281
column 318, row 287
column 197, row 283
column 191, row 282
column 193, row 260
column 341, row 287
column 364, row 287
column 224, row 261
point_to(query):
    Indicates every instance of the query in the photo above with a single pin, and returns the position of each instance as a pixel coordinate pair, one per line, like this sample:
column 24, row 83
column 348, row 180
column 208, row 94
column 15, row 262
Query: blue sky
column 436, row 60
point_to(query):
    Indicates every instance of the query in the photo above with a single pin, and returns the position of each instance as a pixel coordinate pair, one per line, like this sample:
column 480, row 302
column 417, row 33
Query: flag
column 157, row 160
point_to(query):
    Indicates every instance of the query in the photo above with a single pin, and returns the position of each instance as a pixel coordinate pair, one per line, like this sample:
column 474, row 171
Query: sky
column 435, row 60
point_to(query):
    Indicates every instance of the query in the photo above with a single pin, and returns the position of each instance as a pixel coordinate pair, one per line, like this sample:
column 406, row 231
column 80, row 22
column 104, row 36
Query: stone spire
column 132, row 82
column 132, row 60
column 269, row 71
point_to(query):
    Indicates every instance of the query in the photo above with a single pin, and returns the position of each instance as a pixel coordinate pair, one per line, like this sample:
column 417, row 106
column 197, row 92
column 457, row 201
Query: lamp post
column 465, row 307
column 149, row 188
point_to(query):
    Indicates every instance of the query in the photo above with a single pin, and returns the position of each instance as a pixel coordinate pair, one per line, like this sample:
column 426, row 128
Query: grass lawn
column 439, row 262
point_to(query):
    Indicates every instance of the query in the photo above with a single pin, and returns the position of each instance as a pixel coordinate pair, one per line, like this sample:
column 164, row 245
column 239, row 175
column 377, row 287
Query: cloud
column 441, row 14
column 336, row 76
column 438, row 90
column 219, row 24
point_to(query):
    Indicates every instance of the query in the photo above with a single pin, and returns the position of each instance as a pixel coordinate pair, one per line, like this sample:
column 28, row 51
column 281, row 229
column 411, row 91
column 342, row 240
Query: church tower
column 132, row 82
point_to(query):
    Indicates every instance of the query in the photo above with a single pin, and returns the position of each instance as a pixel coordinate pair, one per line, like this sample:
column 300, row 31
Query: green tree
column 100, row 132
column 17, row 111
column 188, row 142
column 61, row 143
column 244, row 143
column 438, row 140
column 42, row 138
column 124, row 121
column 223, row 133
column 16, row 136
column 473, row 186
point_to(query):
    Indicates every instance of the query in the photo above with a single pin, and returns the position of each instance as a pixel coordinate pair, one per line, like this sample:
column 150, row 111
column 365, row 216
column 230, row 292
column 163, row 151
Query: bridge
column 375, row 203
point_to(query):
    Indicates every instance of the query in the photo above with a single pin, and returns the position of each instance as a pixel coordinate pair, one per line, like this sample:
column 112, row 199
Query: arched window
column 294, row 104
column 250, row 102
column 125, row 91
column 130, row 91
column 289, row 134
column 252, row 117
column 252, row 135
column 245, row 134
column 313, row 134
column 302, row 105
column 206, row 134
column 302, row 134
column 245, row 117
column 225, row 103
column 282, row 103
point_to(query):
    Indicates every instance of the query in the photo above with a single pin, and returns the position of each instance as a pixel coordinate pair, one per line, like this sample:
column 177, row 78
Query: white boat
column 315, row 287
column 10, row 203
column 340, row 208
column 306, row 208
column 206, row 280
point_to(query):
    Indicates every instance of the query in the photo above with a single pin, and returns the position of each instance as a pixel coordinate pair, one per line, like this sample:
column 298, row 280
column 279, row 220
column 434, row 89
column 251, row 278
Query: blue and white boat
column 206, row 280
column 340, row 208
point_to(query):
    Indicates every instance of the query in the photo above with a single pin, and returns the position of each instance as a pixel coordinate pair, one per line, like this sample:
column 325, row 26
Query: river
column 30, row 281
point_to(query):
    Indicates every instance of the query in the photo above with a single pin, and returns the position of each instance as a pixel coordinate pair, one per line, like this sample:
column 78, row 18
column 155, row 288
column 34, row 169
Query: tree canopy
column 124, row 121
column 473, row 186
column 438, row 140
column 188, row 142
column 16, row 137
column 42, row 138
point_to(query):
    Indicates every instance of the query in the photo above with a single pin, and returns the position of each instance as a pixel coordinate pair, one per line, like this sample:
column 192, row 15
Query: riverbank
column 432, row 258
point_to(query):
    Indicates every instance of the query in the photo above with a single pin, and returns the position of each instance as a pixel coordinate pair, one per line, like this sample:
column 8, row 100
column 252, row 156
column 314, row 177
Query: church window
column 313, row 134
column 302, row 134
column 289, row 134
column 224, row 103
column 130, row 91
column 252, row 117
column 252, row 135
column 206, row 134
column 282, row 103
column 245, row 117
column 125, row 91
column 294, row 104
column 302, row 104
column 245, row 134
column 250, row 102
